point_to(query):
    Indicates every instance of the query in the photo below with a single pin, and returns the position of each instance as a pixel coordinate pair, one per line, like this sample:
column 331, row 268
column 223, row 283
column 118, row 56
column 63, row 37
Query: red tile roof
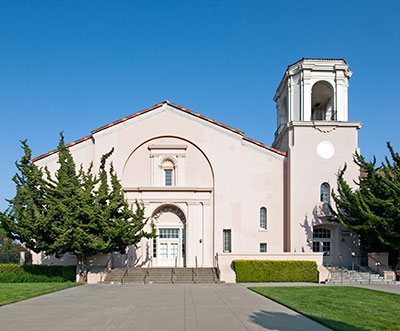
column 155, row 107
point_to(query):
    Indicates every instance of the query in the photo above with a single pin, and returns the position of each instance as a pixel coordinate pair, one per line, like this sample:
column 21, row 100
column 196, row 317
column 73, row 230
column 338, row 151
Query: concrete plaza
column 152, row 307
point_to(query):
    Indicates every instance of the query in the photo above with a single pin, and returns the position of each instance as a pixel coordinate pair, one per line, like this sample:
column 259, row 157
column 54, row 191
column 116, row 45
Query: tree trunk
column 82, row 274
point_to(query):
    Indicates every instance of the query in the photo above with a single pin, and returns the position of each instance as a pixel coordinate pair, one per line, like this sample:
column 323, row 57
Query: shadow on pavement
column 282, row 321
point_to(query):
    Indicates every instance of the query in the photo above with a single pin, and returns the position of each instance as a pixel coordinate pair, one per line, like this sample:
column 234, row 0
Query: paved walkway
column 152, row 307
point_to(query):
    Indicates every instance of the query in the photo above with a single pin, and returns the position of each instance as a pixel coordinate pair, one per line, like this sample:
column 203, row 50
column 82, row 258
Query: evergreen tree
column 26, row 218
column 73, row 212
column 373, row 209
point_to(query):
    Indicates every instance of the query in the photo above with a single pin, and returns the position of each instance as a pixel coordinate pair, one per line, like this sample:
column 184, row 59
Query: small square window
column 263, row 248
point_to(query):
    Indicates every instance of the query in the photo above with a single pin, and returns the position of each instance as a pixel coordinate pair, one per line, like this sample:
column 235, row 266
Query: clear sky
column 77, row 65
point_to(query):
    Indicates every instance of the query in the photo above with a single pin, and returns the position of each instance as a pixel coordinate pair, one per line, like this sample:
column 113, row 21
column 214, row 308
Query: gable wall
column 242, row 176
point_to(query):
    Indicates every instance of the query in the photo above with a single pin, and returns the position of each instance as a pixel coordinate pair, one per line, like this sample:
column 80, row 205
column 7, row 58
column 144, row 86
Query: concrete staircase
column 163, row 276
column 346, row 276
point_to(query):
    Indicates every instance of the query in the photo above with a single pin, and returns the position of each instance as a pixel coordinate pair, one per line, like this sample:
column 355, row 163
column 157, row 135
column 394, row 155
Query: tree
column 373, row 208
column 73, row 212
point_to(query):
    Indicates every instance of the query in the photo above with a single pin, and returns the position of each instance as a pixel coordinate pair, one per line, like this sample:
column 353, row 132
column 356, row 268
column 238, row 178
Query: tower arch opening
column 322, row 102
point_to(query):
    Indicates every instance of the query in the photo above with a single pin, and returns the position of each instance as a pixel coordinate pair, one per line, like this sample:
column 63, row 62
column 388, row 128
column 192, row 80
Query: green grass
column 340, row 308
column 12, row 292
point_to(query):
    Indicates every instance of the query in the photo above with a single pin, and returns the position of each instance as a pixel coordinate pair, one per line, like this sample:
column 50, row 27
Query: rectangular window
column 227, row 241
column 168, row 177
column 263, row 248
column 169, row 233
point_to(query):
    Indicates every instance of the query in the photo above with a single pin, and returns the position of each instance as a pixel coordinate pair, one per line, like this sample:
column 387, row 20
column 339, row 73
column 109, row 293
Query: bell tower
column 313, row 90
column 313, row 129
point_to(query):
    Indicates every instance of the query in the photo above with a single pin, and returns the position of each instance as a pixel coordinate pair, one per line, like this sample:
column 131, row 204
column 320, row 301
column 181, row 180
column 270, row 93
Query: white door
column 169, row 248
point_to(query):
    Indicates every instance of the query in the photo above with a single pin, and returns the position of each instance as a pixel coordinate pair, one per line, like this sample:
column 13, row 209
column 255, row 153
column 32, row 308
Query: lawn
column 340, row 308
column 12, row 292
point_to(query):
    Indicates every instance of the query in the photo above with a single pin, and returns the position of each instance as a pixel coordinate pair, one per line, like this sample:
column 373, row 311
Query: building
column 216, row 195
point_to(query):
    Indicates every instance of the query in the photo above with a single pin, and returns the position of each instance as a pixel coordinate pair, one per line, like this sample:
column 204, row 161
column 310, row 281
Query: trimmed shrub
column 69, row 273
column 46, row 270
column 275, row 271
column 10, row 268
column 15, row 273
column 28, row 278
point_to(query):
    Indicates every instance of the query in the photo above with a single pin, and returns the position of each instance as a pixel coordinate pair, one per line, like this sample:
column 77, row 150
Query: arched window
column 324, row 194
column 321, row 102
column 263, row 218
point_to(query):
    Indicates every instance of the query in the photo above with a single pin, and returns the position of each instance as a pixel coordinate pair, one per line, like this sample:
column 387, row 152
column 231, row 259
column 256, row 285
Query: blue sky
column 77, row 65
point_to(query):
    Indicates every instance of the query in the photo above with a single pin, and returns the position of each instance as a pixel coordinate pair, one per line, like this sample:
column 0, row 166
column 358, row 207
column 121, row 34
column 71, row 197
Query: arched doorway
column 169, row 247
column 322, row 242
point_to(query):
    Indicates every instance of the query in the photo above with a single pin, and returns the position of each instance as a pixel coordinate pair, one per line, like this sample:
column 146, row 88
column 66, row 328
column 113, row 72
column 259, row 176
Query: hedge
column 275, row 271
column 15, row 273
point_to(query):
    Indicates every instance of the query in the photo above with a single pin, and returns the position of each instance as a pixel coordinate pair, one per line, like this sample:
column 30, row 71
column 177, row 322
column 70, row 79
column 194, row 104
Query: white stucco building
column 216, row 195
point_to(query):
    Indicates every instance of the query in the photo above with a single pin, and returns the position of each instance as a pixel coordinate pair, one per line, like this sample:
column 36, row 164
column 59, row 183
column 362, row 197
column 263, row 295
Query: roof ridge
column 158, row 105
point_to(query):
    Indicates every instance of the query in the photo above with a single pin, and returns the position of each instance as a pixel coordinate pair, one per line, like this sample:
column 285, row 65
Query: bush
column 275, row 271
column 15, row 273
column 28, row 278
column 14, row 269
column 69, row 273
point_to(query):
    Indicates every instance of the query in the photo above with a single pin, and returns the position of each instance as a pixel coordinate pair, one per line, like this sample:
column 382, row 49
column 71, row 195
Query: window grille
column 321, row 233
column 154, row 247
column 263, row 218
column 227, row 241
column 168, row 177
column 169, row 233
column 324, row 195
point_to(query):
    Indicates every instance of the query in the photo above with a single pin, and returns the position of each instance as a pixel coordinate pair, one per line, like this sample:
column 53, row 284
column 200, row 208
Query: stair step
column 160, row 275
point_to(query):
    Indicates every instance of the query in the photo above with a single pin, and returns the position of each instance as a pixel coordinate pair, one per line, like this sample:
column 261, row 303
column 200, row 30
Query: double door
column 170, row 248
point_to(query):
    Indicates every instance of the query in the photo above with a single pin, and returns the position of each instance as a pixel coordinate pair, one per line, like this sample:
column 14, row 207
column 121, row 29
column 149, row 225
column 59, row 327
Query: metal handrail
column 147, row 274
column 105, row 267
column 379, row 264
column 126, row 270
column 176, row 266
column 197, row 269
column 216, row 265
column 360, row 267
column 383, row 267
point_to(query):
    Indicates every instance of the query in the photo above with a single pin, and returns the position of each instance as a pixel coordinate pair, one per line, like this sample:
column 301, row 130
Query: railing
column 126, row 269
column 217, row 271
column 107, row 268
column 381, row 267
column 363, row 269
column 147, row 274
column 174, row 272
column 397, row 269
column 197, row 269
column 322, row 114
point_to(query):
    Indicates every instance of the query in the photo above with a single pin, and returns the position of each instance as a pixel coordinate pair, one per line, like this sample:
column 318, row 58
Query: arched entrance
column 170, row 244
